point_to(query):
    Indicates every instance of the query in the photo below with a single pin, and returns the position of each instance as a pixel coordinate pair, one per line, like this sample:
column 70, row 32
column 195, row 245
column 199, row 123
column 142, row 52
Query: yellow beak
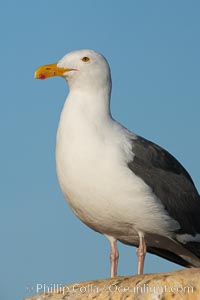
column 51, row 70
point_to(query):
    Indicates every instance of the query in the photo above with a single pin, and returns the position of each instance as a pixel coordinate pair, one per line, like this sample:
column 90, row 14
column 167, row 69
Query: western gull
column 116, row 182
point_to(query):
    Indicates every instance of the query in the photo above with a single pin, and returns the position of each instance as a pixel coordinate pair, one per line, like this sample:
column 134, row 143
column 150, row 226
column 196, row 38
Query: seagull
column 116, row 182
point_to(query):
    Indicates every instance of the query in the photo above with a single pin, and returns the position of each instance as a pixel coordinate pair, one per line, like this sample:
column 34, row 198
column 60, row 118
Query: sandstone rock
column 177, row 285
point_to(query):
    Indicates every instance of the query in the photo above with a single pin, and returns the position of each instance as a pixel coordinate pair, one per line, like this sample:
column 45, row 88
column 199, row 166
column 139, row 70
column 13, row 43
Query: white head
column 82, row 69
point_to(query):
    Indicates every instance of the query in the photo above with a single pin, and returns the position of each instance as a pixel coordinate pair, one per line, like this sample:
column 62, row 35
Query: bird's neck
column 92, row 105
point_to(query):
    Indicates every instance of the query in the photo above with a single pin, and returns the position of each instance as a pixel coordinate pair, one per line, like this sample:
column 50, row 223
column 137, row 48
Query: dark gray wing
column 170, row 182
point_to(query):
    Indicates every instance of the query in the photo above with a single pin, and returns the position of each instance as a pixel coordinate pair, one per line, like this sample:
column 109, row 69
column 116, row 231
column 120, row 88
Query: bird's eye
column 85, row 59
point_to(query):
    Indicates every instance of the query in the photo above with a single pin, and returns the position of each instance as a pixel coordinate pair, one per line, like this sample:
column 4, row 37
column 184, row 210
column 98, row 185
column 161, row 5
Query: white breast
column 92, row 171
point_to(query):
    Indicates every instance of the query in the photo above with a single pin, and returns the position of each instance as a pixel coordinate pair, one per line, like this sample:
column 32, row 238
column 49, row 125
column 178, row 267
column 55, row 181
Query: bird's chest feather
column 79, row 162
column 85, row 162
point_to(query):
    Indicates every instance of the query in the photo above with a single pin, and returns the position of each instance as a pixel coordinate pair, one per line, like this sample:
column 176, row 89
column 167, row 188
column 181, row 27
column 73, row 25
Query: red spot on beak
column 42, row 76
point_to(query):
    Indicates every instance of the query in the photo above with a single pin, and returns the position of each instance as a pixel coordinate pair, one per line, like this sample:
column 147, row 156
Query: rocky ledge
column 177, row 285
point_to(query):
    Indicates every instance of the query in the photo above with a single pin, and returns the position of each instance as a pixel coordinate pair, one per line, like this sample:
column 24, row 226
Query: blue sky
column 153, row 49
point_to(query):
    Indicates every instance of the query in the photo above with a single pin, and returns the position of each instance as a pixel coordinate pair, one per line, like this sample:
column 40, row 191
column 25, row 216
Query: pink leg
column 114, row 256
column 141, row 252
